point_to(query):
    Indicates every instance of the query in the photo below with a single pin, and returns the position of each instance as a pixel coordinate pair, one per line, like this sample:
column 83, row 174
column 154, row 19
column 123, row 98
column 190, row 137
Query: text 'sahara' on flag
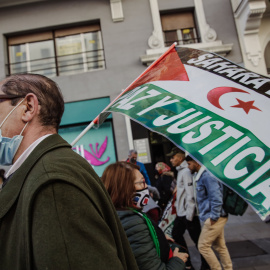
column 212, row 108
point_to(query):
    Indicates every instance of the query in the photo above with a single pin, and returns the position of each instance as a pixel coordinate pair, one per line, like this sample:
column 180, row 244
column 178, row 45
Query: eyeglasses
column 140, row 183
column 5, row 97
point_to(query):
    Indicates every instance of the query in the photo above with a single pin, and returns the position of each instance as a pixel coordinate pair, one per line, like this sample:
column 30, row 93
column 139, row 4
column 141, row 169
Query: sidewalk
column 248, row 241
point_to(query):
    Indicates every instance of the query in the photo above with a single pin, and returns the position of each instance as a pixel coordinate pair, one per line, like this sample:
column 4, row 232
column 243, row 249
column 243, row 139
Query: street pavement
column 248, row 241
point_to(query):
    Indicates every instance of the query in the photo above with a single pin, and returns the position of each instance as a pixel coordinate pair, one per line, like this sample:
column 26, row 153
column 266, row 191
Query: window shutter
column 177, row 21
column 76, row 30
column 29, row 38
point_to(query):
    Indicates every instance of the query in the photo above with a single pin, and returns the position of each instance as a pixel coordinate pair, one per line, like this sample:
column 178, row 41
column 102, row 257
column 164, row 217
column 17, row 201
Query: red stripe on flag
column 168, row 68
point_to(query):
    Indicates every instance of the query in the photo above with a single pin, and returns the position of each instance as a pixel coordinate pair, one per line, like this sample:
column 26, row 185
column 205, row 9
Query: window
column 57, row 52
column 179, row 27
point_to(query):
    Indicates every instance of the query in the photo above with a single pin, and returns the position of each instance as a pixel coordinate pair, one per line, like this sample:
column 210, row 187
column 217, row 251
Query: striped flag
column 212, row 108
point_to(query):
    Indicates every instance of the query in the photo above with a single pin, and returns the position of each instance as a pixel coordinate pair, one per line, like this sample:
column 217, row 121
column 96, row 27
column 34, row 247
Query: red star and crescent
column 214, row 95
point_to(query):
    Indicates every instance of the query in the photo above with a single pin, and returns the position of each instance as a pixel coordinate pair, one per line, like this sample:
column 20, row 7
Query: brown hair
column 118, row 179
column 47, row 91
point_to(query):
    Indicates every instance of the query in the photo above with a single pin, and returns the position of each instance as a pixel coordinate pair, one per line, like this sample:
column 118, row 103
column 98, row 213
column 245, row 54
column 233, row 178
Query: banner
column 212, row 108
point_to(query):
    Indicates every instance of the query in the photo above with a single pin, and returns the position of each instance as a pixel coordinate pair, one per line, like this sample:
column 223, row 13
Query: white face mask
column 141, row 197
column 9, row 146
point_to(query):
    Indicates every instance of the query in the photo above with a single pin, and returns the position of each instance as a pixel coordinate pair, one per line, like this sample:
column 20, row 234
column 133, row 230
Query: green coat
column 142, row 244
column 56, row 214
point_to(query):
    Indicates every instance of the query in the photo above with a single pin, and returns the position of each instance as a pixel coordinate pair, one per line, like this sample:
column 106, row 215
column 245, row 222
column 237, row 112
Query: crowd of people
column 194, row 197
column 56, row 213
column 191, row 199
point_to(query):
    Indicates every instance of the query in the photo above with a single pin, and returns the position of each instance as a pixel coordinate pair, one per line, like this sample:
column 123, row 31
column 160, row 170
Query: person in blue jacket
column 209, row 198
column 132, row 158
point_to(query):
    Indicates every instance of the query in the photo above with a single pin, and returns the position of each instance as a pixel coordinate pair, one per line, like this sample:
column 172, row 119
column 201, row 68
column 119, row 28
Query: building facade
column 252, row 20
column 95, row 48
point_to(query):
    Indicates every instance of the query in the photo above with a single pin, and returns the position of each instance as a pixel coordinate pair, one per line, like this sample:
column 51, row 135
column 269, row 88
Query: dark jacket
column 163, row 184
column 144, row 172
column 142, row 244
column 56, row 214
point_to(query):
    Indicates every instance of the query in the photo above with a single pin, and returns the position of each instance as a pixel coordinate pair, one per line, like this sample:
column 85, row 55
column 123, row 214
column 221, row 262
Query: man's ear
column 182, row 158
column 31, row 107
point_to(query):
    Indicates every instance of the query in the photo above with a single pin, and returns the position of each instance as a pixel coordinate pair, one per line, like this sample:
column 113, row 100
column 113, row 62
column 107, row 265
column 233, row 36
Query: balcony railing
column 183, row 41
column 60, row 65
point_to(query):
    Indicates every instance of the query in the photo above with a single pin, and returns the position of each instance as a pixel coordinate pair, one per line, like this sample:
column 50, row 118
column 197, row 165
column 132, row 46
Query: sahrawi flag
column 212, row 108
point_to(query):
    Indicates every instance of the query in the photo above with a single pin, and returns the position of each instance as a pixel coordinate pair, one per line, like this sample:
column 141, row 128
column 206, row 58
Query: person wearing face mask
column 9, row 146
column 54, row 211
column 132, row 158
column 129, row 193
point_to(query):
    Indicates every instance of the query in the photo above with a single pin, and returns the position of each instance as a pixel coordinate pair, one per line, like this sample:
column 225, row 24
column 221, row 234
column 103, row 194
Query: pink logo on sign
column 94, row 156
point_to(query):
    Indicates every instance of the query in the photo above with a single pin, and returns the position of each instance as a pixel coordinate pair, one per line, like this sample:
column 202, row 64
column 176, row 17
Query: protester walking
column 129, row 193
column 54, row 211
column 185, row 205
column 164, row 183
column 209, row 197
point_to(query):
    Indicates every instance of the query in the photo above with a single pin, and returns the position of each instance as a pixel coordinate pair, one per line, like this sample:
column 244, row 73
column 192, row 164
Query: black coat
column 163, row 185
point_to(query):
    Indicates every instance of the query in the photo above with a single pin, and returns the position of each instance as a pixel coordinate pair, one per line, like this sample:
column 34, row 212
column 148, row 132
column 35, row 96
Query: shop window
column 97, row 145
column 179, row 27
column 57, row 52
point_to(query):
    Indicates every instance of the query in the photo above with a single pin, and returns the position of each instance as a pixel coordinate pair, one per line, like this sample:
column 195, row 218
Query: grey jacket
column 185, row 203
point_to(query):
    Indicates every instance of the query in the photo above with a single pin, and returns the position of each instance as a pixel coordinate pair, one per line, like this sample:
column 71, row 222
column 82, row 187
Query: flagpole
column 96, row 119
column 82, row 133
